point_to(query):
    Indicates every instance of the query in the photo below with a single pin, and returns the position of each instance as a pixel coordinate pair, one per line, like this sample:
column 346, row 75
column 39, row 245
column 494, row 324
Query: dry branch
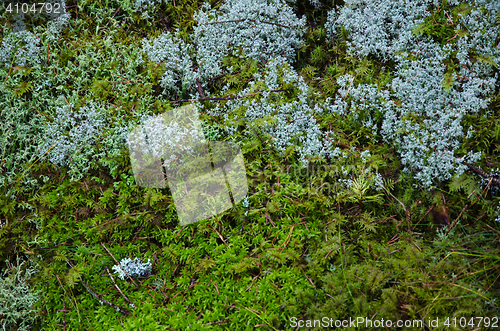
column 101, row 299
column 119, row 290
column 130, row 277
column 482, row 173
column 230, row 98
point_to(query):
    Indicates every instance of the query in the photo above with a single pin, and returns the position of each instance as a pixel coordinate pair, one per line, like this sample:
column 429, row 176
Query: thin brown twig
column 310, row 280
column 229, row 98
column 128, row 80
column 485, row 190
column 463, row 65
column 119, row 264
column 253, row 280
column 427, row 213
column 287, row 240
column 219, row 235
column 455, row 221
column 46, row 116
column 407, row 210
column 119, row 290
column 217, row 322
column 7, row 75
column 324, row 80
column 349, row 88
column 66, row 100
column 452, row 37
column 341, row 144
column 138, row 231
column 222, row 75
column 162, row 20
column 116, row 81
column 492, row 228
column 482, row 173
column 93, row 226
column 64, row 315
column 413, row 78
column 116, row 12
column 269, row 219
column 101, row 299
column 449, row 18
column 248, row 19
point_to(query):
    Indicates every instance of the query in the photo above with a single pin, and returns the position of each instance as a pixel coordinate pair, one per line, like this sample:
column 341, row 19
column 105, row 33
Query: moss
column 346, row 234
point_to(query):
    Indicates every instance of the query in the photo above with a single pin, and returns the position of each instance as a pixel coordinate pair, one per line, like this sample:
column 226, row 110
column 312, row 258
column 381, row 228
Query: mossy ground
column 306, row 246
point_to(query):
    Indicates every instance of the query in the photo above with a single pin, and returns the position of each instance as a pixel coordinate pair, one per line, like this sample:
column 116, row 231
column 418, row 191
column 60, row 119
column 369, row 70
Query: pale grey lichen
column 20, row 48
column 69, row 139
column 381, row 28
column 17, row 298
column 179, row 76
column 132, row 267
column 148, row 4
column 288, row 123
column 259, row 30
column 57, row 20
column 426, row 124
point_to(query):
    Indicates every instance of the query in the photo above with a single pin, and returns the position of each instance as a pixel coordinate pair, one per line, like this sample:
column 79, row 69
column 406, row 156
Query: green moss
column 346, row 236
